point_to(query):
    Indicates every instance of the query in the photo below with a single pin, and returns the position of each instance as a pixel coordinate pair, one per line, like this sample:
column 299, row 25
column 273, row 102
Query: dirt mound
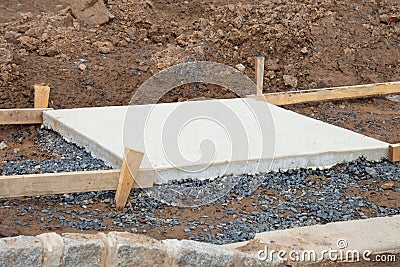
column 309, row 43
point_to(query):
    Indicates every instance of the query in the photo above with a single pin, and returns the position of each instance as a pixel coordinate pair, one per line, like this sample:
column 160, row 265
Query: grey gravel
column 304, row 197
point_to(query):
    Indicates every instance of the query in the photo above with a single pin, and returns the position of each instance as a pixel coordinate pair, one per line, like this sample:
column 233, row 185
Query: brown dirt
column 204, row 214
column 346, row 44
column 29, row 223
column 20, row 140
column 387, row 198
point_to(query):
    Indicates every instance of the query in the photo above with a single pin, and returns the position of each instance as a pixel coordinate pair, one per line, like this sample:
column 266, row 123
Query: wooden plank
column 394, row 152
column 259, row 70
column 335, row 93
column 22, row 116
column 42, row 93
column 130, row 166
column 67, row 182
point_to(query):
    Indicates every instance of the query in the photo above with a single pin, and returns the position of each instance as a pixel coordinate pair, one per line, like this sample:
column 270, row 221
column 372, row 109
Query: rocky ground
column 250, row 203
column 307, row 44
column 314, row 44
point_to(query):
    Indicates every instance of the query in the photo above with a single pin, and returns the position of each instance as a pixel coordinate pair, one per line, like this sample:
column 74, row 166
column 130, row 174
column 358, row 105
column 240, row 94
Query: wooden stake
column 259, row 69
column 22, row 116
column 394, row 152
column 334, row 93
column 130, row 166
column 42, row 93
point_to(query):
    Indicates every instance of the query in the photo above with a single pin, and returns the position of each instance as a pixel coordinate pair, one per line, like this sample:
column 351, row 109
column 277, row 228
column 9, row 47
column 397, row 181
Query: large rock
column 290, row 80
column 192, row 253
column 92, row 12
column 135, row 250
column 104, row 47
column 21, row 251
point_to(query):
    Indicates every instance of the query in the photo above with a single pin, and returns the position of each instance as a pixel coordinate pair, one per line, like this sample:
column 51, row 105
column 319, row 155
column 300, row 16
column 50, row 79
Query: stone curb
column 117, row 249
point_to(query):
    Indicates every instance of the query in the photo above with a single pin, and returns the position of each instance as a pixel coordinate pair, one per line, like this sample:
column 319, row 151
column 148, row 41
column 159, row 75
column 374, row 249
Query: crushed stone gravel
column 249, row 203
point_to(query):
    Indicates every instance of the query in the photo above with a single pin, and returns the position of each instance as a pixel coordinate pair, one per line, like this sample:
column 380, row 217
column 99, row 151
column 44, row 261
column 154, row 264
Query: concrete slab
column 246, row 136
column 375, row 235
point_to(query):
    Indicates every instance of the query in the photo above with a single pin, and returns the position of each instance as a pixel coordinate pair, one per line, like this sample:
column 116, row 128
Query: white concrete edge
column 282, row 163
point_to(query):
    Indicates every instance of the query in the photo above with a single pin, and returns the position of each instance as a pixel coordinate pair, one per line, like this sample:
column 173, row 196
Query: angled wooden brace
column 130, row 166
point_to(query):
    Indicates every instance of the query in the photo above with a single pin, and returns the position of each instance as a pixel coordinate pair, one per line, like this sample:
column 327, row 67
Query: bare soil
column 317, row 43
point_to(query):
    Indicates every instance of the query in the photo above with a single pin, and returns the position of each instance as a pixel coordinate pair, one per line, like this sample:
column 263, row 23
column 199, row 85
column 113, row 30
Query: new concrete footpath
column 207, row 139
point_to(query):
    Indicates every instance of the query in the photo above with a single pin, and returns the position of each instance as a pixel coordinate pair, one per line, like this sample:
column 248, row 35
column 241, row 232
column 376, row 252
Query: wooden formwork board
column 22, row 116
column 68, row 182
column 335, row 93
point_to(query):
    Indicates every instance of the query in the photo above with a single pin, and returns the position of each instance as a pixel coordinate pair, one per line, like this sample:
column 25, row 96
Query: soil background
column 315, row 44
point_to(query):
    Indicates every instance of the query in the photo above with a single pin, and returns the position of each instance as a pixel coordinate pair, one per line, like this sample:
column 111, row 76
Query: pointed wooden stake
column 394, row 152
column 22, row 116
column 42, row 93
column 130, row 166
column 259, row 69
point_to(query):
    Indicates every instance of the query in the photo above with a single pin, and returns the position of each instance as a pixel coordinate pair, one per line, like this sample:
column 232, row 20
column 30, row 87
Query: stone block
column 126, row 249
column 20, row 251
column 83, row 250
column 53, row 247
column 202, row 254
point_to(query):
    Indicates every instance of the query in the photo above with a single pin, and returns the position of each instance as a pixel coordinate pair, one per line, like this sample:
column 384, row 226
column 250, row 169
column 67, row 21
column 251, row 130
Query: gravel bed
column 68, row 156
column 277, row 200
